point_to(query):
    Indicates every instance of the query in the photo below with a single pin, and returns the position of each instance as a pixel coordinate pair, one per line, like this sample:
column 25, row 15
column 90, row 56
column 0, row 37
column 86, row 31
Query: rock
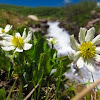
column 44, row 21
column 34, row 29
column 44, row 25
column 94, row 14
column 39, row 25
column 90, row 23
column 33, row 17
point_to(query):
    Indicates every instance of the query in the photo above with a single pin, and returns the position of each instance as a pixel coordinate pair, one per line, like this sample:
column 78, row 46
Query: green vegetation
column 72, row 16
column 43, row 12
column 31, row 70
column 54, row 12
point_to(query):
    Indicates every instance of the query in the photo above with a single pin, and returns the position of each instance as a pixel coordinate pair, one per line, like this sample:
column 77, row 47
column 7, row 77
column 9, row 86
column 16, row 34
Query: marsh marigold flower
column 5, row 30
column 17, row 42
column 52, row 41
column 86, row 52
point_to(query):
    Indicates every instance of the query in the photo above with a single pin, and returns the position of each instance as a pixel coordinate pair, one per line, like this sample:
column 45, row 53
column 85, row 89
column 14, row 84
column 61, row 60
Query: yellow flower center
column 3, row 31
column 87, row 50
column 18, row 42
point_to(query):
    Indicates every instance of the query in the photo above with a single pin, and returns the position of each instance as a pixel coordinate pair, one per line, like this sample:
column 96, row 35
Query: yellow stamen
column 18, row 42
column 87, row 50
column 3, row 31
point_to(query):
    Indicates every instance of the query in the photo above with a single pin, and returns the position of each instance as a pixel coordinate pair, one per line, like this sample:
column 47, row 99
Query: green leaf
column 44, row 62
column 39, row 48
column 53, row 53
column 2, row 94
column 35, row 39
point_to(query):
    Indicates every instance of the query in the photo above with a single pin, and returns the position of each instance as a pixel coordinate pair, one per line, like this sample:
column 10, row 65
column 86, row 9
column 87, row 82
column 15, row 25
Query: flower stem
column 93, row 79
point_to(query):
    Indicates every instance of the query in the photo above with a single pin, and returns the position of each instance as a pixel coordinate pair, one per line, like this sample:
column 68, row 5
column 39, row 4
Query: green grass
column 54, row 13
column 72, row 16
column 34, row 66
column 39, row 11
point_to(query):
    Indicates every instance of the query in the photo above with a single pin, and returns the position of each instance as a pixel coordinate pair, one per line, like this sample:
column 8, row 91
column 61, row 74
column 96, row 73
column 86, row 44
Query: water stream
column 63, row 48
column 62, row 37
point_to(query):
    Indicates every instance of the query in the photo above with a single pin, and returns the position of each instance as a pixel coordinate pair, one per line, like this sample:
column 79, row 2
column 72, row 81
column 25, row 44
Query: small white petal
column 7, row 38
column 7, row 28
column 52, row 41
column 28, row 38
column 5, row 43
column 17, row 35
column 90, row 34
column 18, row 50
column 97, row 57
column 74, row 43
column 76, row 55
column 8, row 48
column 96, row 40
column 82, row 34
column 27, row 46
column 80, row 62
column 24, row 34
column 89, row 64
column 4, row 35
column 98, row 50
column 71, row 54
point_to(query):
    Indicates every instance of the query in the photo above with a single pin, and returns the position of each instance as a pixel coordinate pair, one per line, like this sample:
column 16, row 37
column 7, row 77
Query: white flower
column 86, row 52
column 52, row 41
column 17, row 42
column 5, row 30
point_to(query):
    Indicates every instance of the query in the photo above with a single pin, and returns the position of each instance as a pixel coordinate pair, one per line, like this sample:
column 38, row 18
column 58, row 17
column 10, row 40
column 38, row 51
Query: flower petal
column 28, row 38
column 98, row 50
column 17, row 35
column 76, row 55
column 5, row 43
column 90, row 34
column 74, row 43
column 24, row 34
column 2, row 34
column 18, row 50
column 7, row 28
column 8, row 48
column 52, row 41
column 89, row 64
column 82, row 34
column 97, row 57
column 96, row 40
column 71, row 54
column 8, row 38
column 5, row 35
column 27, row 46
column 80, row 62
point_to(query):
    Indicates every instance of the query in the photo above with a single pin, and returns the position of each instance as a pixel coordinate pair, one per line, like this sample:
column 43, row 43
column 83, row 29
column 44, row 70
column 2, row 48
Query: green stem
column 20, row 92
column 8, row 97
column 47, row 96
column 40, row 83
column 62, row 57
column 39, row 91
column 52, row 46
column 59, row 80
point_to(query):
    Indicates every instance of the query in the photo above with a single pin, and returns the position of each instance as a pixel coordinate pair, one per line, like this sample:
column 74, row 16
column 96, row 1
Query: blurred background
column 72, row 14
column 53, row 18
